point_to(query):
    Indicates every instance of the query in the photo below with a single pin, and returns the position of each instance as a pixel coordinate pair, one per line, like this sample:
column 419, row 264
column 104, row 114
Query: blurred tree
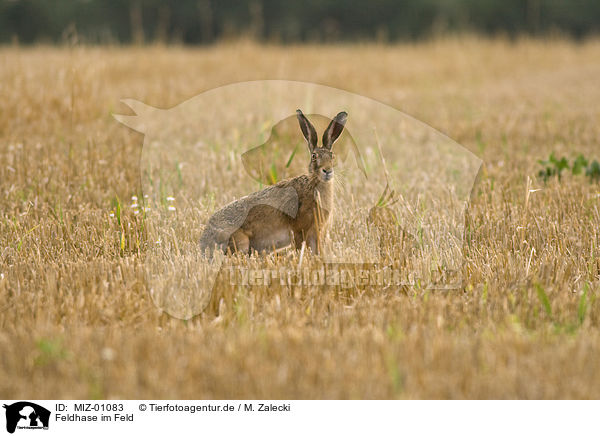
column 205, row 21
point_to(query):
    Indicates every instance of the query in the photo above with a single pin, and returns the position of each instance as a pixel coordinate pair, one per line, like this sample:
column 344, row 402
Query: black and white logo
column 26, row 415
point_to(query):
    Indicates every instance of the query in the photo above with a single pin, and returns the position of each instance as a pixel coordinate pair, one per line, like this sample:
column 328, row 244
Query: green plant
column 581, row 165
column 593, row 171
column 553, row 167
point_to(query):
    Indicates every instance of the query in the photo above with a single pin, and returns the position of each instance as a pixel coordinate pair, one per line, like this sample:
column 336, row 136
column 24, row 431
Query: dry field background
column 76, row 320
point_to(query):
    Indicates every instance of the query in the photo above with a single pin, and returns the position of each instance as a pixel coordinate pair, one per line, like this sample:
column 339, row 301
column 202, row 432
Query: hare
column 295, row 210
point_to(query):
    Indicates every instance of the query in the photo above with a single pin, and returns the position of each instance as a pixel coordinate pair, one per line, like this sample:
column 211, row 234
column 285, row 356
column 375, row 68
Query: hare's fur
column 294, row 211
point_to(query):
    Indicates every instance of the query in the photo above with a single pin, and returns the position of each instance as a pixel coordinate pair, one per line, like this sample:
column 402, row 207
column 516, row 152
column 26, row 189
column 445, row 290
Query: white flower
column 135, row 212
column 146, row 209
column 170, row 198
column 134, row 198
column 112, row 215
column 171, row 208
column 134, row 205
column 107, row 353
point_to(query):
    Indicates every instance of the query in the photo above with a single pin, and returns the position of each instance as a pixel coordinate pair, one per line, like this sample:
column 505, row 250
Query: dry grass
column 76, row 319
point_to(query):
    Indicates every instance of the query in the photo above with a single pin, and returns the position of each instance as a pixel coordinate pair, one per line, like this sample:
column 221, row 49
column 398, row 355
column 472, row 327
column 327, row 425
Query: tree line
column 207, row 21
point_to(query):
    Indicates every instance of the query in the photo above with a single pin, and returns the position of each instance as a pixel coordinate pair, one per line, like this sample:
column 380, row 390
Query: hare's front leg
column 309, row 237
column 312, row 239
column 239, row 241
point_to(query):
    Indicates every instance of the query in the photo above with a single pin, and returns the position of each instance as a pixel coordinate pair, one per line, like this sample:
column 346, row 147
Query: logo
column 26, row 415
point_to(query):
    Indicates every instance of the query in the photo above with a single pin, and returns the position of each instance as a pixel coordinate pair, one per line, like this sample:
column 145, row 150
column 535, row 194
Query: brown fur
column 294, row 211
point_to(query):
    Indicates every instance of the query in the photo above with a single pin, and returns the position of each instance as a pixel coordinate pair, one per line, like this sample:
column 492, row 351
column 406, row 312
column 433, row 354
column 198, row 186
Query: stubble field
column 76, row 318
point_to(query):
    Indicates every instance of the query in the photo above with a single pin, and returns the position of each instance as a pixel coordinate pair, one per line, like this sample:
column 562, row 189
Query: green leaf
column 561, row 165
column 579, row 164
column 289, row 162
column 273, row 174
column 593, row 171
column 583, row 305
column 118, row 214
column 544, row 299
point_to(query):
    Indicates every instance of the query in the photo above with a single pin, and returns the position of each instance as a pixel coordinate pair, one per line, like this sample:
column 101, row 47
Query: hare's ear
column 309, row 132
column 334, row 130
